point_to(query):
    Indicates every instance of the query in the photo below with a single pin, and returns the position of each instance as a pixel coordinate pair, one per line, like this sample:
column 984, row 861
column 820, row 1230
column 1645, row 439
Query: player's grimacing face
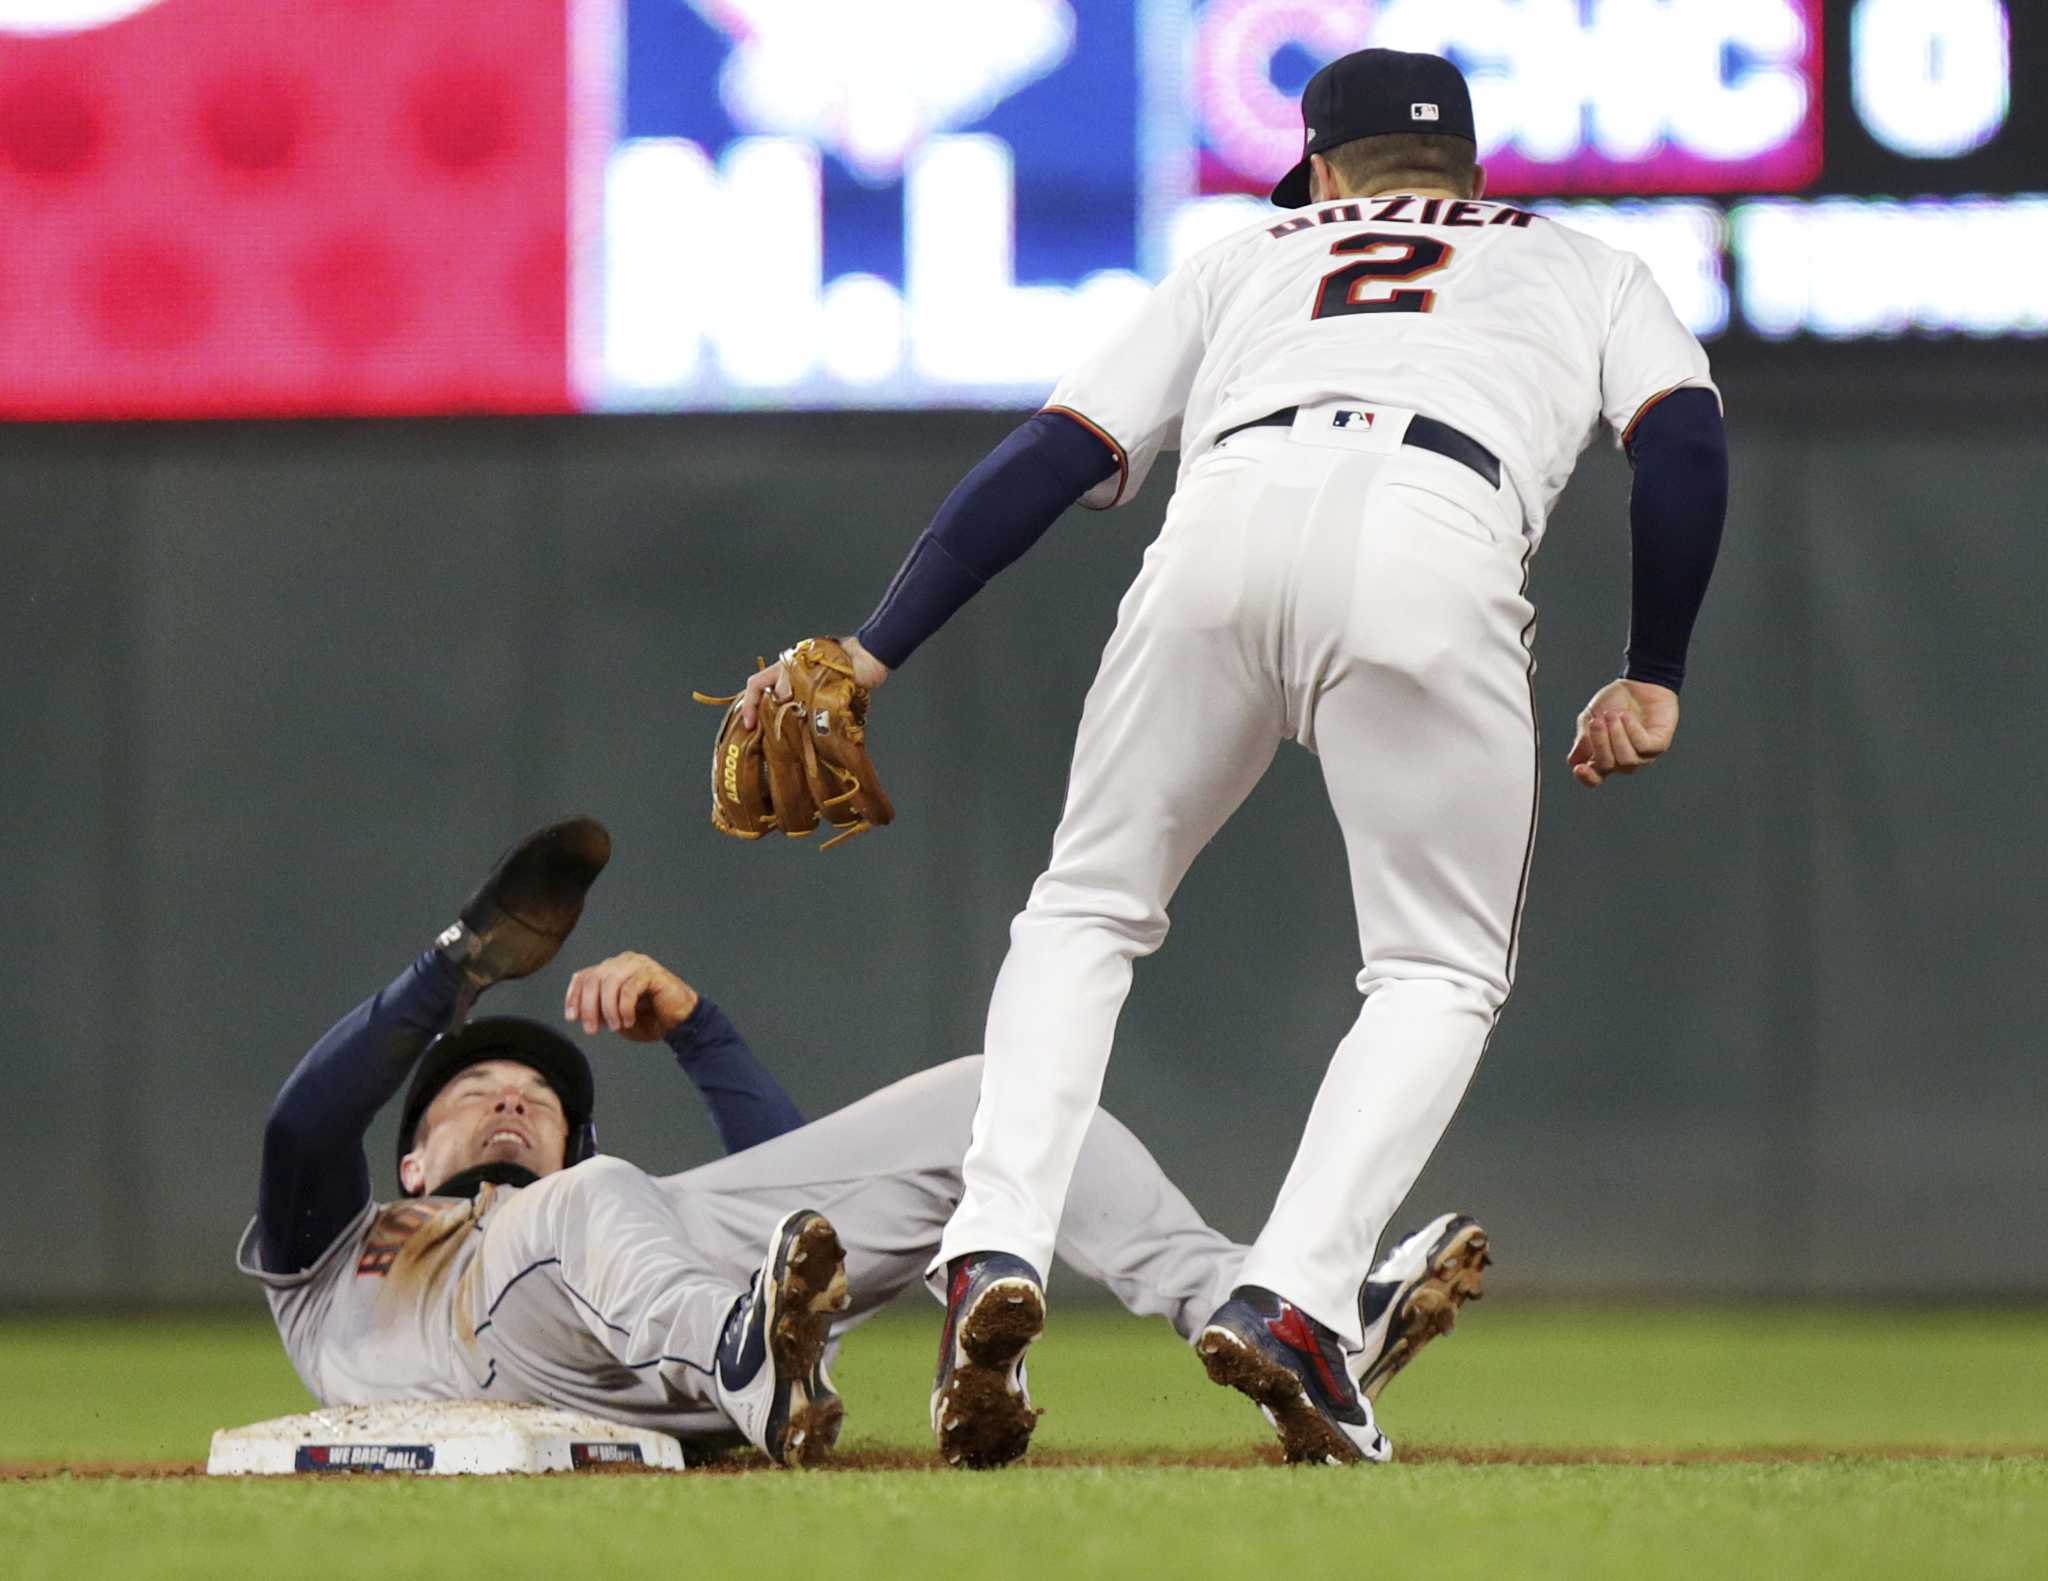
column 495, row 1112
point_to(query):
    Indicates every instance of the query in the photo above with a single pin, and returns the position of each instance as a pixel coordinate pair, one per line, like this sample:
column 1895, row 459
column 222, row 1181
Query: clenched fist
column 1627, row 726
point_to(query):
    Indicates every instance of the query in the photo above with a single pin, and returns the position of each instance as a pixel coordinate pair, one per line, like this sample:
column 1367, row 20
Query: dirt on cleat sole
column 1457, row 1274
column 812, row 1290
column 982, row 1424
column 1305, row 1438
column 1004, row 1322
column 982, row 1421
column 813, row 1433
column 822, row 1420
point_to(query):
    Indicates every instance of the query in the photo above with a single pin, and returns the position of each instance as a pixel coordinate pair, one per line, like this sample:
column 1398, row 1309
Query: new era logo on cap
column 1423, row 112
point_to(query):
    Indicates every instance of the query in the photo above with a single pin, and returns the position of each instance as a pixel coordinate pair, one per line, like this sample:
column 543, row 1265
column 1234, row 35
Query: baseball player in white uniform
column 1377, row 397
column 520, row 1265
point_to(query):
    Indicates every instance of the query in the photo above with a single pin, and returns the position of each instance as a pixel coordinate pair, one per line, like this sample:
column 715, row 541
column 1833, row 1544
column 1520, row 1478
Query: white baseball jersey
column 1520, row 331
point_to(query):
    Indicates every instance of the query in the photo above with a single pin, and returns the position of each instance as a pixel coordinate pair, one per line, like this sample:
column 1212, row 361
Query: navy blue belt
column 1424, row 433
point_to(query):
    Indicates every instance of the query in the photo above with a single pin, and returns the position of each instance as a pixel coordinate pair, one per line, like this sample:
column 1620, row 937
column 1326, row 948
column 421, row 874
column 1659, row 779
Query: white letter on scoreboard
column 1755, row 111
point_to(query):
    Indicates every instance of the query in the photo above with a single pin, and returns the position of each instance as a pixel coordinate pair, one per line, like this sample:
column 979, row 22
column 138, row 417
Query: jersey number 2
column 1343, row 290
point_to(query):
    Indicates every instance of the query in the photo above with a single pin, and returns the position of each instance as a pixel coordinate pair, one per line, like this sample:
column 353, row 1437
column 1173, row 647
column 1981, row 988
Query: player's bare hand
column 868, row 671
column 770, row 682
column 1627, row 726
column 632, row 994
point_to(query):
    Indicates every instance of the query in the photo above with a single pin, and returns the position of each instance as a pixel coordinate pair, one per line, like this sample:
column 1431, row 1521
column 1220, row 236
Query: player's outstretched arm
column 637, row 997
column 315, row 1177
column 1679, row 448
column 999, row 511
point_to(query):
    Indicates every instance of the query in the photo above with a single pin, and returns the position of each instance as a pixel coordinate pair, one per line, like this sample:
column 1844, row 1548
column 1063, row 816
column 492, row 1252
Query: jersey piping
column 1123, row 462
column 1643, row 411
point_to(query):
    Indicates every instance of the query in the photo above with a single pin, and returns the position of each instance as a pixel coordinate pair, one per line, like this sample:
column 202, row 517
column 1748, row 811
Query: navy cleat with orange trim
column 981, row 1405
column 1293, row 1369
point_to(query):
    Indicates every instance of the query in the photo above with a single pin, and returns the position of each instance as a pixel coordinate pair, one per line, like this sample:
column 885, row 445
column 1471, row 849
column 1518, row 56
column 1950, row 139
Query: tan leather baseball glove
column 804, row 759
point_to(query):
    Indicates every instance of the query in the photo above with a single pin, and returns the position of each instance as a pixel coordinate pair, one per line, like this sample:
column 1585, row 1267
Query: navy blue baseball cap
column 1376, row 93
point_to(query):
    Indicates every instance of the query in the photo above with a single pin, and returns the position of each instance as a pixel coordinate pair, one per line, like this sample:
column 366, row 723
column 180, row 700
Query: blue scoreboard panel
column 890, row 203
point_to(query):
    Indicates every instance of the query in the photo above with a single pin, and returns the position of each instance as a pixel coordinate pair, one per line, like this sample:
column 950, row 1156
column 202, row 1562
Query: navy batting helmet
column 515, row 1038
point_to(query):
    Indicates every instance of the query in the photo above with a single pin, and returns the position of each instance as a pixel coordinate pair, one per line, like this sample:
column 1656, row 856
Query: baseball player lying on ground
column 520, row 1266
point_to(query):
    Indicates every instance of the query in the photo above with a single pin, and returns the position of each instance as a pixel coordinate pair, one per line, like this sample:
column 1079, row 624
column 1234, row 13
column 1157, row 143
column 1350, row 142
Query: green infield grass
column 1537, row 1443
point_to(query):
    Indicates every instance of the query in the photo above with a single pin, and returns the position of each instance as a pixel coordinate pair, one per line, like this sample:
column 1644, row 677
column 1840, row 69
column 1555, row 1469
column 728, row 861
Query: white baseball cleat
column 1414, row 1294
column 770, row 1373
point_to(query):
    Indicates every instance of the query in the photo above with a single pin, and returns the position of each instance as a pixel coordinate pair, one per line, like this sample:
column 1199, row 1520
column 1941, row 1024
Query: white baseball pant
column 1367, row 600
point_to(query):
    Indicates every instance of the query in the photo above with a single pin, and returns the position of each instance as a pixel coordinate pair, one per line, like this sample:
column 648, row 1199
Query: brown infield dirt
column 1204, row 1460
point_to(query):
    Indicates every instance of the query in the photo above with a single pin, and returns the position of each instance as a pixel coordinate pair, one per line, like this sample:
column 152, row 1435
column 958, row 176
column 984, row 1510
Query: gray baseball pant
column 605, row 1289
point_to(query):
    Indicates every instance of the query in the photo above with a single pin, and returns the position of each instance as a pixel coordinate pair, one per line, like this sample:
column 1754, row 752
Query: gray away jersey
column 389, row 1312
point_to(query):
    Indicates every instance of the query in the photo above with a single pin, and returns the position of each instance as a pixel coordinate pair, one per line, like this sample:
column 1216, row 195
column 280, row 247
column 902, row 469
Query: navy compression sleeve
column 747, row 1104
column 999, row 510
column 1680, row 452
column 315, row 1178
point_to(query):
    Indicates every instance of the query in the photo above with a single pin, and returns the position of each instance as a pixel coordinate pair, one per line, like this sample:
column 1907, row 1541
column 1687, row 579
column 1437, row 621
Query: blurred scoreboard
column 928, row 203
column 220, row 208
column 249, row 207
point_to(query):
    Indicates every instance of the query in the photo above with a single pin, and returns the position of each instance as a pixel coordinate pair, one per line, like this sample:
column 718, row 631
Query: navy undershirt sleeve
column 1679, row 449
column 315, row 1176
column 747, row 1104
column 999, row 510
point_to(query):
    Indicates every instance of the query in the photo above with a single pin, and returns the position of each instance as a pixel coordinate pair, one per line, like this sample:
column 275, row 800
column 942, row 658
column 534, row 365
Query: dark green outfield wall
column 275, row 695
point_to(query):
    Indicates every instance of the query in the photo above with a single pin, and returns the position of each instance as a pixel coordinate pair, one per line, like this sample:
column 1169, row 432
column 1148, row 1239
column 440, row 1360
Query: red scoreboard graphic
column 274, row 207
